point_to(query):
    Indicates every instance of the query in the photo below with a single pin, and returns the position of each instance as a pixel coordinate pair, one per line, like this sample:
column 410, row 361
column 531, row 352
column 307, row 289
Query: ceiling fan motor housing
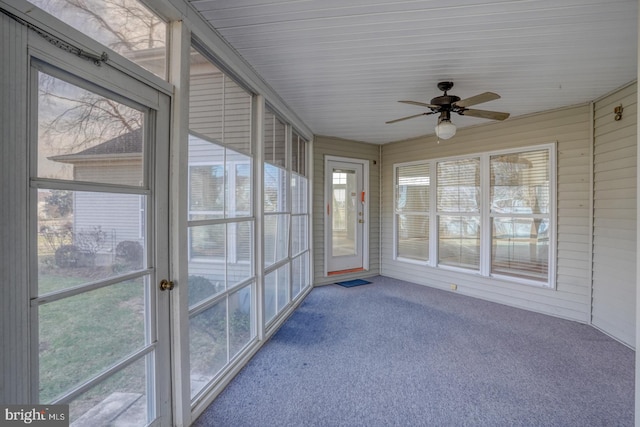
column 445, row 101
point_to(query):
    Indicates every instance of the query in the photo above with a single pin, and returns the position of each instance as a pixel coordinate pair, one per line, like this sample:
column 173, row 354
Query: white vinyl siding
column 614, row 222
column 570, row 128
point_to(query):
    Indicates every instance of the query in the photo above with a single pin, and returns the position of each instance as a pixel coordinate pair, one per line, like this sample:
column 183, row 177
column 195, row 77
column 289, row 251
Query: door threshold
column 350, row 270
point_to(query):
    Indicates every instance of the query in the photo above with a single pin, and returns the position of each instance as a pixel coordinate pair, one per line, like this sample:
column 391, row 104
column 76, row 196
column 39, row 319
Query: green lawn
column 85, row 334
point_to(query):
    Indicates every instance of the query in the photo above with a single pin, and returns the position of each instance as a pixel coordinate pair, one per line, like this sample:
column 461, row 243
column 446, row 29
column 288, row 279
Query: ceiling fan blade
column 478, row 99
column 484, row 114
column 421, row 104
column 407, row 118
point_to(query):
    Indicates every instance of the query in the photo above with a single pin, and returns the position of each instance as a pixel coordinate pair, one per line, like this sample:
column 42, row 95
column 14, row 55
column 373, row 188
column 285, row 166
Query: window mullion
column 433, row 218
column 485, row 219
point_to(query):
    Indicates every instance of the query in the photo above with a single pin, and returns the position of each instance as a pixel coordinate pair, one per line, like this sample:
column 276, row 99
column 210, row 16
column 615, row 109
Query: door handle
column 361, row 221
column 166, row 285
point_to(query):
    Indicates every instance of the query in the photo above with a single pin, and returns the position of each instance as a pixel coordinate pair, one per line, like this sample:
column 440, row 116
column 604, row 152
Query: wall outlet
column 454, row 287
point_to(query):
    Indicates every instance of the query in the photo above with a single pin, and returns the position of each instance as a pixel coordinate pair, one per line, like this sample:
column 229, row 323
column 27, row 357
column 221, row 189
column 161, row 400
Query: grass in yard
column 80, row 336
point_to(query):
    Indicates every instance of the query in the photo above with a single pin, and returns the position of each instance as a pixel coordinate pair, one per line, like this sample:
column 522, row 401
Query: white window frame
column 485, row 216
column 230, row 244
column 396, row 214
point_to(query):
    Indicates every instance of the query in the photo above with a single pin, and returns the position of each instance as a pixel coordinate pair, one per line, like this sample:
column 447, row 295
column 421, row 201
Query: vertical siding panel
column 14, row 304
column 614, row 231
column 570, row 128
column 328, row 146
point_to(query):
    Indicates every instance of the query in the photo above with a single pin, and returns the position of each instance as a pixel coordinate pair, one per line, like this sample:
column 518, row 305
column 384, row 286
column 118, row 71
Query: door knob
column 166, row 285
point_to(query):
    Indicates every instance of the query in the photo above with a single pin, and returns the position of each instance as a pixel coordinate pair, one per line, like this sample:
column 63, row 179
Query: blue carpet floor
column 398, row 354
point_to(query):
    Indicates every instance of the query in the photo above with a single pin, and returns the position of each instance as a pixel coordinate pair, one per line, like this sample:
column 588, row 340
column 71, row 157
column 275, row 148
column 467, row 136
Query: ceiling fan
column 446, row 104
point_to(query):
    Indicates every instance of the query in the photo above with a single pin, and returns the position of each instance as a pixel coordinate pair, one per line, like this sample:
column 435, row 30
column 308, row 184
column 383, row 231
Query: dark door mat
column 352, row 283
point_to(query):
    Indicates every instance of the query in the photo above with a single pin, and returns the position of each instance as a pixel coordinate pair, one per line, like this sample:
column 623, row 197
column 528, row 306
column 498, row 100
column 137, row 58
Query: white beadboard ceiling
column 342, row 65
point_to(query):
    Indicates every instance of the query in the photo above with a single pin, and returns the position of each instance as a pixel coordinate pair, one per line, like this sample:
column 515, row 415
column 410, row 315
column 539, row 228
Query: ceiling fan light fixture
column 445, row 129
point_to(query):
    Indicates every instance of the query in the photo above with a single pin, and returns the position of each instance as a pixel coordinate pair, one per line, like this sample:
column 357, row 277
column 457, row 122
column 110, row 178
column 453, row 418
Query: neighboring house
column 116, row 161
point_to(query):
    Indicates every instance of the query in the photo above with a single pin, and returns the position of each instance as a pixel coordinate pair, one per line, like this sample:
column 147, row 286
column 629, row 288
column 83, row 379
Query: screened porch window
column 221, row 282
column 128, row 27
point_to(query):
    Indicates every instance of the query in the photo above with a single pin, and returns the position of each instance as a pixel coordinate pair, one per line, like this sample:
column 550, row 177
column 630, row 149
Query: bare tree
column 131, row 25
column 82, row 118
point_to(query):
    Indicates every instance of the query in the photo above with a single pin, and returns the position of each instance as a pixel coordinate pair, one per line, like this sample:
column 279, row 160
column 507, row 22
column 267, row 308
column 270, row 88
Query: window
column 412, row 211
column 299, row 217
column 286, row 215
column 221, row 282
column 520, row 214
column 126, row 26
column 492, row 213
column 274, row 139
column 298, row 154
column 458, row 183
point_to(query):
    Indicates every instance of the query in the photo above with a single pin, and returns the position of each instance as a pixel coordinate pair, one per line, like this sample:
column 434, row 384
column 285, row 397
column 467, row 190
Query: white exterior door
column 98, row 242
column 346, row 215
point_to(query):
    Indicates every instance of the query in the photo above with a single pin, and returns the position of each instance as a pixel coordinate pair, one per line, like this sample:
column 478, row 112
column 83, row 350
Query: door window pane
column 344, row 220
column 83, row 136
column 125, row 26
column 88, row 236
column 82, row 335
column 124, row 395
